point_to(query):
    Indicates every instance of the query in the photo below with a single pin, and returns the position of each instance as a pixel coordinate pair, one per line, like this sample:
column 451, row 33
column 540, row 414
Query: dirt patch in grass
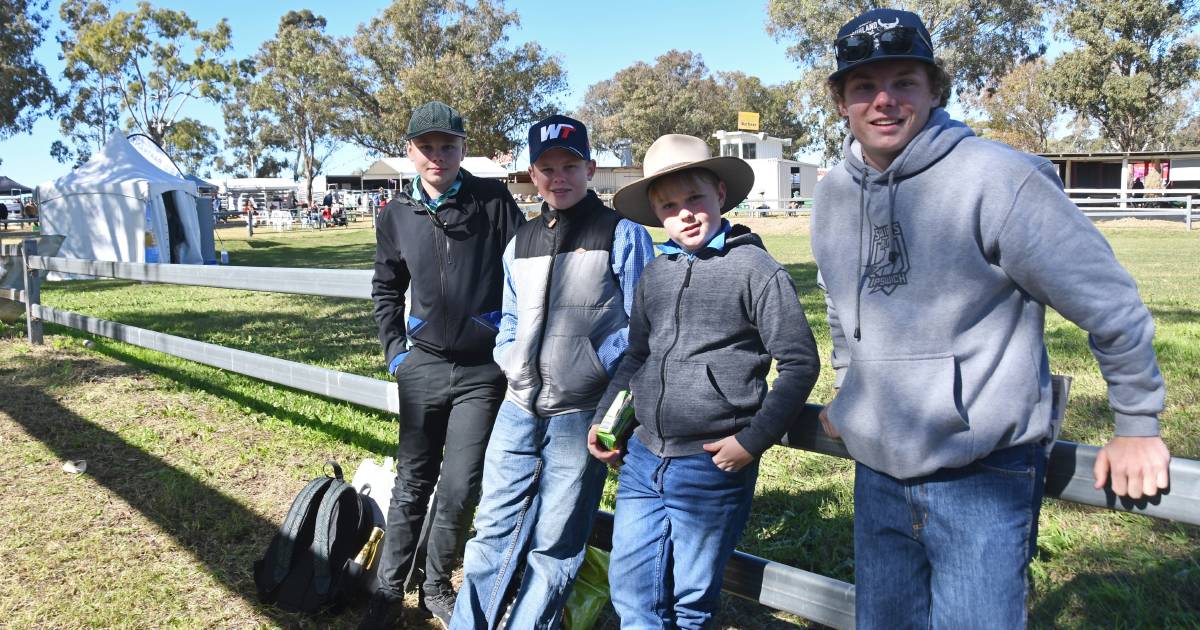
column 775, row 226
column 1134, row 222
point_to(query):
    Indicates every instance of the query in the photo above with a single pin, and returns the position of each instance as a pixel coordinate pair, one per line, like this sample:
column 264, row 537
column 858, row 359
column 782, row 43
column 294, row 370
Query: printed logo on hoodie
column 887, row 266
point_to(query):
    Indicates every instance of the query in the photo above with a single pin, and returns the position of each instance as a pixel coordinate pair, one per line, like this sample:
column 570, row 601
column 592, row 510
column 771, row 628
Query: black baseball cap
column 558, row 132
column 881, row 35
column 435, row 116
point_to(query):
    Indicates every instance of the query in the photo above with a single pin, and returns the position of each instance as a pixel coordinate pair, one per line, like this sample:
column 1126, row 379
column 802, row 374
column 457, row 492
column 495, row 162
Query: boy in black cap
column 936, row 296
column 569, row 278
column 442, row 240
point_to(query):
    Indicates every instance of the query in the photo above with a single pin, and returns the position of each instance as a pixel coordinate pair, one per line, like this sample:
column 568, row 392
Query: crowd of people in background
column 18, row 212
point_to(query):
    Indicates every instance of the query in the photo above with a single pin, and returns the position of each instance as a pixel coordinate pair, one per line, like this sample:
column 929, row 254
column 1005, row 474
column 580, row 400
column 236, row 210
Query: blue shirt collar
column 420, row 194
column 717, row 242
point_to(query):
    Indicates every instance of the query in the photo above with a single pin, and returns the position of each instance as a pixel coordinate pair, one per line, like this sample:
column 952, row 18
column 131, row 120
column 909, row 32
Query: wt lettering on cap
column 556, row 131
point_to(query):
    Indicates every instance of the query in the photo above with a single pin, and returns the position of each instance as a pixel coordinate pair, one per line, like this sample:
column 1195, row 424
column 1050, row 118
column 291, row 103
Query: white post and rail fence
column 1100, row 203
column 810, row 595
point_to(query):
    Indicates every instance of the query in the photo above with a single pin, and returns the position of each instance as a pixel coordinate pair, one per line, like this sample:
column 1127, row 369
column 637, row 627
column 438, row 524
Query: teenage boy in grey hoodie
column 939, row 252
column 708, row 317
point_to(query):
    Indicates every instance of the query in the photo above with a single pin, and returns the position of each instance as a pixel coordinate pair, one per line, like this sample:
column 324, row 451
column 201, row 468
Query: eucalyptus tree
column 1131, row 63
column 457, row 52
column 25, row 91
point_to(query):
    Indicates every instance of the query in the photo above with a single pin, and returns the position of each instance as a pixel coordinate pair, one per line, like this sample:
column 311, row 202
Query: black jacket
column 452, row 260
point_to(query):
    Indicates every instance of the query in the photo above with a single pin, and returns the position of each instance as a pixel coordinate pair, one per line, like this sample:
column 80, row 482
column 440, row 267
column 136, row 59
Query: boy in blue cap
column 569, row 277
column 936, row 295
column 709, row 317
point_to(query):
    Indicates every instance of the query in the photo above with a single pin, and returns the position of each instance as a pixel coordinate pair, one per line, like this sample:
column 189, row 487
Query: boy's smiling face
column 689, row 205
column 887, row 104
column 561, row 177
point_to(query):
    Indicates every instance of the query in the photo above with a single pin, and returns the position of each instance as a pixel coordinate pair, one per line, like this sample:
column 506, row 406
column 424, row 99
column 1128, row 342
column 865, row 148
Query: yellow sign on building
column 748, row 121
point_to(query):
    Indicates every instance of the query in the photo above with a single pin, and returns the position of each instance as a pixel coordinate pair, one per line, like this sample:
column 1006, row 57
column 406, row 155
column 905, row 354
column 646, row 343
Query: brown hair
column 940, row 83
column 689, row 175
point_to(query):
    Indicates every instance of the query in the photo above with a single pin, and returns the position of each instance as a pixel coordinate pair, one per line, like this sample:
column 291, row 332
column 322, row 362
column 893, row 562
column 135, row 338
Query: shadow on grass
column 1175, row 315
column 211, row 525
column 344, row 331
column 1162, row 592
column 339, row 433
column 805, row 277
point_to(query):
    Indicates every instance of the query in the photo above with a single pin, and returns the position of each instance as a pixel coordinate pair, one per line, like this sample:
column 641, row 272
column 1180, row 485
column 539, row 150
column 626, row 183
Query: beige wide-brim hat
column 673, row 153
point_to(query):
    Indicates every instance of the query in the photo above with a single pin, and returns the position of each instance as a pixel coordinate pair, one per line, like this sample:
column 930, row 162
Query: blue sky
column 594, row 41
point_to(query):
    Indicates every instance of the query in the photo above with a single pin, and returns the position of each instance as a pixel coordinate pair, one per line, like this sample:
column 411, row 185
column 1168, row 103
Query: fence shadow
column 342, row 434
column 219, row 532
column 344, row 332
column 1155, row 592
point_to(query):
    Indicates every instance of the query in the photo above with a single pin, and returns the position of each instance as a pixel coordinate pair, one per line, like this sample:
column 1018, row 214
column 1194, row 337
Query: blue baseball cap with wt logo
column 881, row 35
column 558, row 132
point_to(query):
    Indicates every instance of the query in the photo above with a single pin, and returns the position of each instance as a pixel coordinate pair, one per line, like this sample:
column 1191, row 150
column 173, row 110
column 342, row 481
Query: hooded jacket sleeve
column 840, row 357
column 1054, row 253
column 786, row 335
column 508, row 315
column 387, row 291
column 632, row 251
column 635, row 354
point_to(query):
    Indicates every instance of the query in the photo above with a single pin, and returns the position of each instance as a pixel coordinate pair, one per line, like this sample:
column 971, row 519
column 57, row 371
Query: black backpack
column 309, row 565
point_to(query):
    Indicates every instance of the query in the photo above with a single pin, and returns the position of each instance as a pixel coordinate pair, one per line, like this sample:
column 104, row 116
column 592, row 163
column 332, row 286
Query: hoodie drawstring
column 893, row 254
column 892, row 251
column 862, row 273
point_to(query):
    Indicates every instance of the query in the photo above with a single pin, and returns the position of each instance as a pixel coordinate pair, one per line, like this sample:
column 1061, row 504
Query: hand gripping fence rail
column 803, row 593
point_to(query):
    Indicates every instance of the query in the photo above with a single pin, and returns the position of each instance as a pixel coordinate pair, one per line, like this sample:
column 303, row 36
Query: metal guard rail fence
column 809, row 595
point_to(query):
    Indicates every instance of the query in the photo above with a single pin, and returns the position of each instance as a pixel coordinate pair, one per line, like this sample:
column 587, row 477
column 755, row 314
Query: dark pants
column 443, row 406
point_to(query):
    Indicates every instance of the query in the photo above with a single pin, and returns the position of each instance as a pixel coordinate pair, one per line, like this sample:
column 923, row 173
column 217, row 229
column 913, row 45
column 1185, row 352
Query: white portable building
column 120, row 207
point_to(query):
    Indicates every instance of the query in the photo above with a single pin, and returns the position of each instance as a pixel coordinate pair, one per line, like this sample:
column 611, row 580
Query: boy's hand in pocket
column 728, row 454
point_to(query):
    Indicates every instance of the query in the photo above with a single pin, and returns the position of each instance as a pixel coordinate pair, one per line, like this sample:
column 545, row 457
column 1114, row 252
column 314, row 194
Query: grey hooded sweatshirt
column 937, row 273
column 702, row 334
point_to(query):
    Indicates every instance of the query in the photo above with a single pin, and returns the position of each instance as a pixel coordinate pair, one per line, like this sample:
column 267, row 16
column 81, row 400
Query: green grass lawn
column 241, row 448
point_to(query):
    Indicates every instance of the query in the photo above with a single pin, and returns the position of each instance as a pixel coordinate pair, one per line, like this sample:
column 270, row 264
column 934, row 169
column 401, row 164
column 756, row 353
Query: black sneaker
column 383, row 612
column 439, row 604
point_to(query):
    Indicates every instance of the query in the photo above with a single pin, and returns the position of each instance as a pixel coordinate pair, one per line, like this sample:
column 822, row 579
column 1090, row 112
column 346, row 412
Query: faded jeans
column 541, row 490
column 677, row 522
column 950, row 549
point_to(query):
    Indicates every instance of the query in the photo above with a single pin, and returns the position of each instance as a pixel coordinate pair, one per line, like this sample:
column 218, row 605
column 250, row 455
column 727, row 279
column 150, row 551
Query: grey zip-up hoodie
column 937, row 273
column 702, row 332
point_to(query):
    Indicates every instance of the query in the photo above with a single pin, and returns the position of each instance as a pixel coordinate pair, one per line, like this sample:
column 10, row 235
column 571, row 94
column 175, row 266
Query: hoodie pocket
column 571, row 368
column 693, row 405
column 896, row 412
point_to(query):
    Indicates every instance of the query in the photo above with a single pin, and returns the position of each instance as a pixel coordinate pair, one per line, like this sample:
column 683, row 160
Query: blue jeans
column 541, row 490
column 951, row 549
column 677, row 522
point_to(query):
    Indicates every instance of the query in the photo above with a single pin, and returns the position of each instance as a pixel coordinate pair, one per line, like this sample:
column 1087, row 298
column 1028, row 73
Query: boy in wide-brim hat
column 709, row 316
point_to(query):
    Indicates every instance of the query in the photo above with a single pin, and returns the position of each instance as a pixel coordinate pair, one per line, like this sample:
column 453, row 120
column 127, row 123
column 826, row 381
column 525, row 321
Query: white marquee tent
column 121, row 207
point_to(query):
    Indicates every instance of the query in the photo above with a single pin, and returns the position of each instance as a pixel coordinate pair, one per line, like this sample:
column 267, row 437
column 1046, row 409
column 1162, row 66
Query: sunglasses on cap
column 898, row 40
